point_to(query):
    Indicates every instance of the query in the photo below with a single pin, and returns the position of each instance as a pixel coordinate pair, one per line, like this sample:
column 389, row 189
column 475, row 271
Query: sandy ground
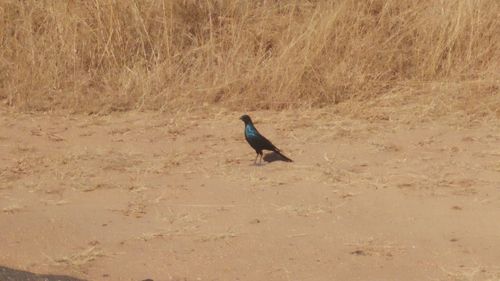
column 134, row 196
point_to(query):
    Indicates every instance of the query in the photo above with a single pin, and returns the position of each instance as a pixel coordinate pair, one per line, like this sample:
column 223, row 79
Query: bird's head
column 245, row 118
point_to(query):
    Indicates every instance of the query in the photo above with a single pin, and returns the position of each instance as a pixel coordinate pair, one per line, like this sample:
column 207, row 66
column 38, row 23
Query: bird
column 258, row 141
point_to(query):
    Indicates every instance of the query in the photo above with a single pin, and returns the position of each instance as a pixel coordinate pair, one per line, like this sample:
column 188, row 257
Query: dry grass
column 79, row 259
column 103, row 55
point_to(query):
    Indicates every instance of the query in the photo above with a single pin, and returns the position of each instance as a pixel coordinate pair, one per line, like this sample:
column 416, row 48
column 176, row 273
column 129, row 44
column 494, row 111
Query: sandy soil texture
column 134, row 196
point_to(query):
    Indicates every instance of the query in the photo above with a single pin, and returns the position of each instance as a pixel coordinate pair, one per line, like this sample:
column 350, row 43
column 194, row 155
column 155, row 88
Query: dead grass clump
column 80, row 259
column 118, row 55
column 13, row 208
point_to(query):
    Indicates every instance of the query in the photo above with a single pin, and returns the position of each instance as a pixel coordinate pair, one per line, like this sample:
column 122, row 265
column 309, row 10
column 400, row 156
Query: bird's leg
column 260, row 161
column 255, row 161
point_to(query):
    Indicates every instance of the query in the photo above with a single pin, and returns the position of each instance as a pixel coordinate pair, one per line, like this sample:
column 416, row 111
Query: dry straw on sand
column 103, row 55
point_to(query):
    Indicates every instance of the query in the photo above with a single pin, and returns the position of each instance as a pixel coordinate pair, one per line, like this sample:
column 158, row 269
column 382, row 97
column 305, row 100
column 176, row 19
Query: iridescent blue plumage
column 250, row 131
column 258, row 141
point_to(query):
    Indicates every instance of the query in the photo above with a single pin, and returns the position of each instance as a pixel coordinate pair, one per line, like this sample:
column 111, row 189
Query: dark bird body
column 258, row 141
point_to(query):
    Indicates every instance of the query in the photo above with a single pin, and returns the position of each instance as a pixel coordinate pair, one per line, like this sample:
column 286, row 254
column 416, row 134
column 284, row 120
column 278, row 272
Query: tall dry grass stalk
column 120, row 55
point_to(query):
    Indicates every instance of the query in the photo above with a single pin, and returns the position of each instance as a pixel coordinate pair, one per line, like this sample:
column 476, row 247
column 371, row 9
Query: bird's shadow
column 20, row 275
column 272, row 157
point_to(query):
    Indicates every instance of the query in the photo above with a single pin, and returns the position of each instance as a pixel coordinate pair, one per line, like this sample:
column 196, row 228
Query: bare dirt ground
column 134, row 196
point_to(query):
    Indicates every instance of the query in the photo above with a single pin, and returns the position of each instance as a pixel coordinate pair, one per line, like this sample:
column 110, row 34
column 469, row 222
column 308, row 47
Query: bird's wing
column 268, row 144
column 256, row 139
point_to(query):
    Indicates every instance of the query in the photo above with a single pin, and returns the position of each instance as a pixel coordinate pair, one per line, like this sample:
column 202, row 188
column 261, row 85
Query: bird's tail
column 284, row 157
